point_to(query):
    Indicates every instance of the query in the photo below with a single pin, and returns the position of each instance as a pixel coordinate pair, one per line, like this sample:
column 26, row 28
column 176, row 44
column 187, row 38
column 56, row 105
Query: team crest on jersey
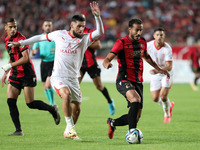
column 22, row 46
column 141, row 45
column 77, row 41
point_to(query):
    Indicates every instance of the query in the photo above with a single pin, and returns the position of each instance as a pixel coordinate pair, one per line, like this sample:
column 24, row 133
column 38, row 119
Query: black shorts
column 125, row 85
column 93, row 71
column 20, row 83
column 195, row 69
column 46, row 70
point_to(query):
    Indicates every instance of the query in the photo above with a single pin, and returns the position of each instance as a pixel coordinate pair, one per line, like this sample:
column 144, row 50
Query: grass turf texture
column 41, row 132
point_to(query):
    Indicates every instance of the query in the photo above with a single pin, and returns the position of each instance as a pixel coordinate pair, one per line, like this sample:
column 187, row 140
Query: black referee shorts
column 46, row 70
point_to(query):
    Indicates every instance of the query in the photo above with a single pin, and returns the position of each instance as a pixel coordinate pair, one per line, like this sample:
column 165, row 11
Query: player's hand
column 95, row 8
column 6, row 67
column 14, row 44
column 162, row 71
column 3, row 79
column 153, row 71
column 107, row 65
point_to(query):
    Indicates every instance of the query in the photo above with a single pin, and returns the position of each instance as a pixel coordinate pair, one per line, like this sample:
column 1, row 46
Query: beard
column 77, row 35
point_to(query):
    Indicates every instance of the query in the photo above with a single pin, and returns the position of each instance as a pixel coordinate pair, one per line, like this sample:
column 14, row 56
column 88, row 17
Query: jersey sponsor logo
column 68, row 51
column 135, row 54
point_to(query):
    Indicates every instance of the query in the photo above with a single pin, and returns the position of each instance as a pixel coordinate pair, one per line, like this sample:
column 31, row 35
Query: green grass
column 41, row 133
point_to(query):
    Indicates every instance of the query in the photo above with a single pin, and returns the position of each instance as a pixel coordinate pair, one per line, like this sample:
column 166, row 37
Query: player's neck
column 71, row 33
column 159, row 45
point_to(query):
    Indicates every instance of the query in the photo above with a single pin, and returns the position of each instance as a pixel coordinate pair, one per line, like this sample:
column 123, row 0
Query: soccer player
column 22, row 76
column 194, row 56
column 47, row 53
column 70, row 48
column 90, row 66
column 161, row 52
column 130, row 50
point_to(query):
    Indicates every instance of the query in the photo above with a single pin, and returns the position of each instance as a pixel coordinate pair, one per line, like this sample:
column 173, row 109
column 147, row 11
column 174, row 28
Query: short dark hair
column 10, row 20
column 48, row 20
column 78, row 17
column 159, row 29
column 134, row 21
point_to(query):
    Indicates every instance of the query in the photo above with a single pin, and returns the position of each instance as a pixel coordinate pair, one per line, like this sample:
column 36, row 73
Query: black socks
column 106, row 94
column 14, row 113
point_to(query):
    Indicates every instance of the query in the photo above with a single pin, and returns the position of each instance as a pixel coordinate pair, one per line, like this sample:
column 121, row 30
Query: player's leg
column 82, row 73
column 12, row 94
column 155, row 86
column 40, row 105
column 193, row 84
column 46, row 70
column 50, row 92
column 74, row 105
column 197, row 76
column 167, row 105
column 94, row 73
column 97, row 82
column 76, row 109
column 134, row 99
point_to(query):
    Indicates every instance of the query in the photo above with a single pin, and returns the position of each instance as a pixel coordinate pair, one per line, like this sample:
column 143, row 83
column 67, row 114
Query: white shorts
column 160, row 80
column 71, row 83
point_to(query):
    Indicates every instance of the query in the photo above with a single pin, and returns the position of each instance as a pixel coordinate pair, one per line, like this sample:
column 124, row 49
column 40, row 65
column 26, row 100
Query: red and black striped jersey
column 89, row 56
column 129, row 56
column 195, row 56
column 15, row 54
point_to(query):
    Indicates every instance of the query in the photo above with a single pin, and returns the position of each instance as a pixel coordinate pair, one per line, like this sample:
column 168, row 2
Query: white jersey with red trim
column 69, row 53
column 160, row 55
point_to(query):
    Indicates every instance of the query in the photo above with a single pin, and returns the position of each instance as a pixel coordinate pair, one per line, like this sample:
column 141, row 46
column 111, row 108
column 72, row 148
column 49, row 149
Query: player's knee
column 163, row 97
column 134, row 99
column 99, row 87
column 155, row 99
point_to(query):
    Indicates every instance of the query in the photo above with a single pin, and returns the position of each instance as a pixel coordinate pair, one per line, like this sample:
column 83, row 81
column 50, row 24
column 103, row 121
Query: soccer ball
column 134, row 136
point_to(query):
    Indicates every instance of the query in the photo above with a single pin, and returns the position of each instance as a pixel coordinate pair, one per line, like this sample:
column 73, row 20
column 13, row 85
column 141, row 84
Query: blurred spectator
column 180, row 18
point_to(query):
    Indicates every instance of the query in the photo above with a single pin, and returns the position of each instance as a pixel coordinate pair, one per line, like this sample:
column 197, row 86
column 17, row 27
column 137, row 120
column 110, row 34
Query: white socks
column 166, row 107
column 70, row 123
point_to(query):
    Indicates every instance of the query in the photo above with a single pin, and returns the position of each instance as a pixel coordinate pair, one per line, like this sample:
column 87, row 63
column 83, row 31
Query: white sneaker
column 193, row 86
column 71, row 133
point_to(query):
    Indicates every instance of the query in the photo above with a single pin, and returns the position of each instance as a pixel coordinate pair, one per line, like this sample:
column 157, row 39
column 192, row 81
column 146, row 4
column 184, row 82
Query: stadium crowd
column 180, row 18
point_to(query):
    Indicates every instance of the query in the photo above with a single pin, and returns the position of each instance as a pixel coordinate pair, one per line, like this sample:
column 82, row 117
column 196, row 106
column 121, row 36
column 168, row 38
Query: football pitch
column 40, row 132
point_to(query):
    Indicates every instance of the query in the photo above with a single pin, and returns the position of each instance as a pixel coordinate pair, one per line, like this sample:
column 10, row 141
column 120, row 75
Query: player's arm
column 4, row 77
column 96, row 45
column 23, row 60
column 149, row 60
column 107, row 61
column 99, row 24
column 34, row 39
column 35, row 51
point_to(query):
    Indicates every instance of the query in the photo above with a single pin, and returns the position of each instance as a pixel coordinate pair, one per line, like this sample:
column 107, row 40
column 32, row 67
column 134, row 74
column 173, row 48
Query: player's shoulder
column 167, row 46
column 142, row 39
column 20, row 36
column 150, row 42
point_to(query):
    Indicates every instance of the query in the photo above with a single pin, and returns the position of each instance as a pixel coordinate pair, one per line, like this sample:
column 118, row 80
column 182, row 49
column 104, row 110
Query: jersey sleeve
column 52, row 36
column 35, row 45
column 117, row 47
column 23, row 47
column 169, row 54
